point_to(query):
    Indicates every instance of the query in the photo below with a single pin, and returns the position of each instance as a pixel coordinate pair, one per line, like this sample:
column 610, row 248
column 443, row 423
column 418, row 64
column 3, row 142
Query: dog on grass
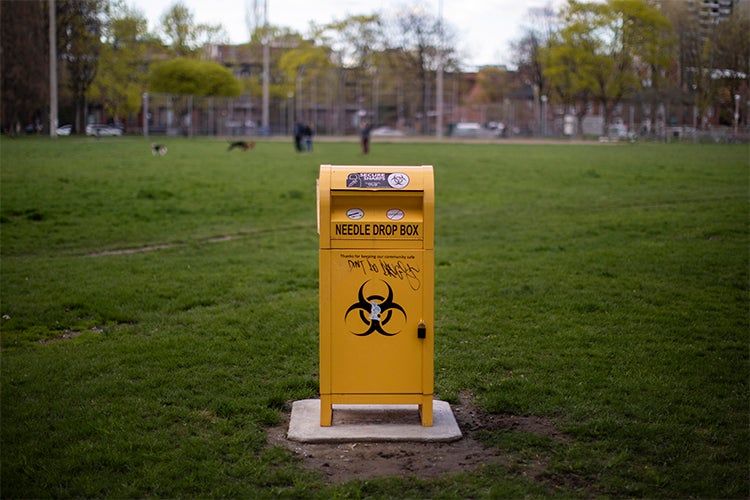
column 243, row 145
column 158, row 149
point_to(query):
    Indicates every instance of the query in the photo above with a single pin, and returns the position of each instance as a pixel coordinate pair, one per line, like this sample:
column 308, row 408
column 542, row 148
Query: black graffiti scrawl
column 375, row 311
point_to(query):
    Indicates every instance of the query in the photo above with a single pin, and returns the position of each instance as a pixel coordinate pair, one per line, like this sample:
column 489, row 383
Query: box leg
column 425, row 410
column 326, row 411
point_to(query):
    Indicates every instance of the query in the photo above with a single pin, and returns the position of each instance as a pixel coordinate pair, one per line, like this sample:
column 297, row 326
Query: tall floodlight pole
column 266, row 67
column 145, row 114
column 736, row 113
column 439, row 92
column 52, row 70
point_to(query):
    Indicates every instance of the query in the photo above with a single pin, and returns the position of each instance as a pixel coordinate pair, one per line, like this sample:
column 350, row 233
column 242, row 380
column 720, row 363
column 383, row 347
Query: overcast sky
column 484, row 27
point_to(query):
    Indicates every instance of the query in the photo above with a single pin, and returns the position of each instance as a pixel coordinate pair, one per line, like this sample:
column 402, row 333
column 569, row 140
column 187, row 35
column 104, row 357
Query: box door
column 376, row 307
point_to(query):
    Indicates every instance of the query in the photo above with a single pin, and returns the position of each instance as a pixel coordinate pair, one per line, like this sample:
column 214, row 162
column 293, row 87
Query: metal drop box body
column 376, row 226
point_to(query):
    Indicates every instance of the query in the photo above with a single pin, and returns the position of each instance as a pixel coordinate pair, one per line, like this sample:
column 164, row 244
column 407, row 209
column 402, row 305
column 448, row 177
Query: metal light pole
column 290, row 113
column 439, row 90
column 266, row 68
column 52, row 70
column 736, row 112
column 145, row 114
column 300, row 72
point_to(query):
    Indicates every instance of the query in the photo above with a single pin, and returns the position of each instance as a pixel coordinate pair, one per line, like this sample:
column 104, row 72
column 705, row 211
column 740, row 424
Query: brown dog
column 243, row 145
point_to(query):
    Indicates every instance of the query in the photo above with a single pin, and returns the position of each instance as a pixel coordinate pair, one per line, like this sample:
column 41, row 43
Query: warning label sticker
column 377, row 180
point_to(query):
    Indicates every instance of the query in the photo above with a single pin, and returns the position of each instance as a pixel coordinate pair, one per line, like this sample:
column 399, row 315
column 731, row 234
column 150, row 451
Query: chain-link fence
column 189, row 116
column 179, row 115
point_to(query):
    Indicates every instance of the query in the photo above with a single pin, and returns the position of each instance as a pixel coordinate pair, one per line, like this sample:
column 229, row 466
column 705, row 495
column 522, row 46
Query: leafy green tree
column 120, row 81
column 608, row 50
column 305, row 68
column 649, row 38
column 354, row 40
column 648, row 49
column 567, row 67
column 310, row 58
column 193, row 77
column 280, row 40
column 184, row 35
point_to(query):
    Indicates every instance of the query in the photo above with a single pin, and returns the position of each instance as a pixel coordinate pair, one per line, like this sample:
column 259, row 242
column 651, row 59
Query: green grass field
column 159, row 314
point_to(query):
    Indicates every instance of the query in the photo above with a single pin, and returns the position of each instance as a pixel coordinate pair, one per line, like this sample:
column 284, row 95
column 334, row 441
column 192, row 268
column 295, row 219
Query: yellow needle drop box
column 376, row 226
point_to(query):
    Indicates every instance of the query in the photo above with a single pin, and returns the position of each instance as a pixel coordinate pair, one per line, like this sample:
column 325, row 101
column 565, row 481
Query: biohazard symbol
column 375, row 311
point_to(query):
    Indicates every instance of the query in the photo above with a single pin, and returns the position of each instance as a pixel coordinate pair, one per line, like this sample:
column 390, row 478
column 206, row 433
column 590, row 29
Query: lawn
column 159, row 314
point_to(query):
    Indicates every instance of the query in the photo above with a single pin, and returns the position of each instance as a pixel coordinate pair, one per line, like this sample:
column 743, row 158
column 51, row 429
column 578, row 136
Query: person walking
column 298, row 131
column 364, row 132
column 307, row 136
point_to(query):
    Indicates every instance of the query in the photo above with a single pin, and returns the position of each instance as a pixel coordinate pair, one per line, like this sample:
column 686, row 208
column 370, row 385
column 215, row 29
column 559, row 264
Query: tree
column 687, row 83
column 493, row 84
column 529, row 49
column 648, row 45
column 353, row 44
column 711, row 58
column 184, row 36
column 120, row 81
column 192, row 77
column 281, row 40
column 23, row 39
column 355, row 40
column 527, row 58
column 416, row 41
column 730, row 74
column 304, row 67
column 603, row 46
column 567, row 67
column 79, row 45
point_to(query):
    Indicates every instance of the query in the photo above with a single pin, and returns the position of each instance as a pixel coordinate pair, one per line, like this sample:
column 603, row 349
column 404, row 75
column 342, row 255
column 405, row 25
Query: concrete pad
column 371, row 423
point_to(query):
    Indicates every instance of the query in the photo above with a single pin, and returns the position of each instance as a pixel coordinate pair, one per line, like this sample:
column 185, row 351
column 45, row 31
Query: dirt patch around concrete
column 343, row 462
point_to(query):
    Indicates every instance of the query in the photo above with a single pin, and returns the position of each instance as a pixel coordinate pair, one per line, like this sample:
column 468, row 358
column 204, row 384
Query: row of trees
column 589, row 52
column 655, row 51
column 108, row 56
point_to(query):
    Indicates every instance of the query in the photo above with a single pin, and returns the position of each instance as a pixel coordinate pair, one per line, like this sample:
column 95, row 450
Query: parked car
column 497, row 128
column 64, row 129
column 99, row 130
column 387, row 132
column 470, row 129
column 617, row 131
